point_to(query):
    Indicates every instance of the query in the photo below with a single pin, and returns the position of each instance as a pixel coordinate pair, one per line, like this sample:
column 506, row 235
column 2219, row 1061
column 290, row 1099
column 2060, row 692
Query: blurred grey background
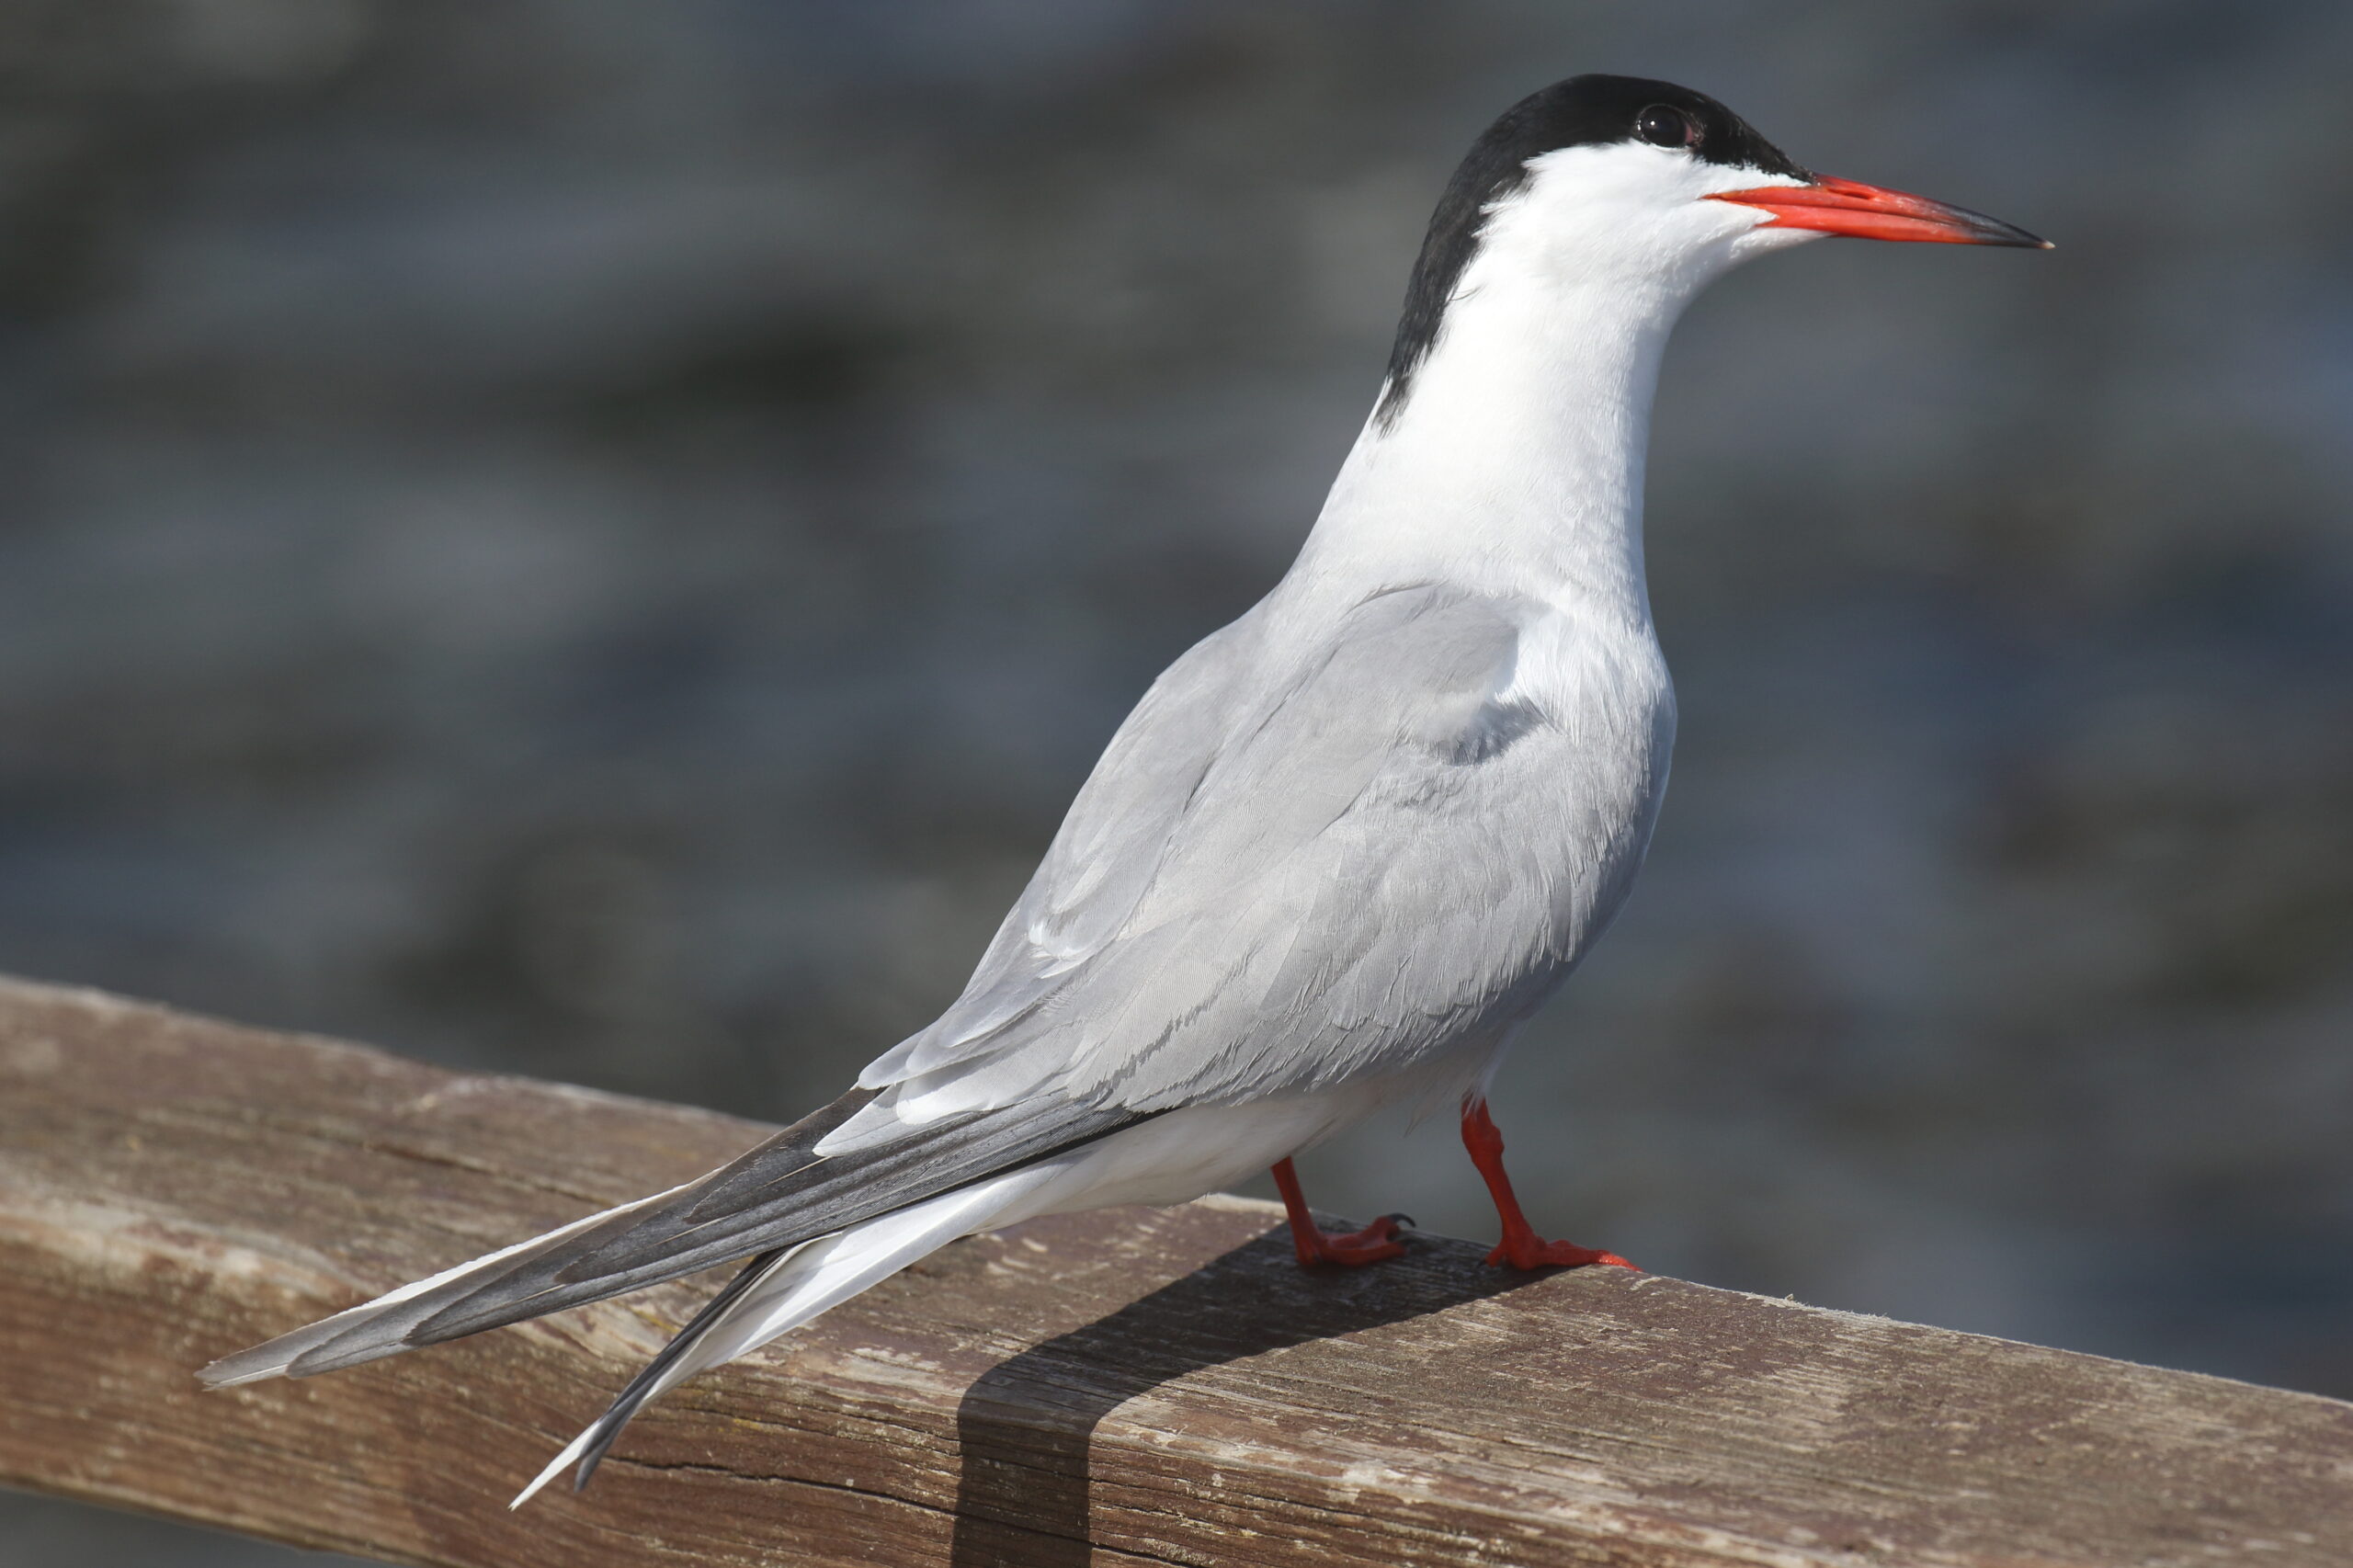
column 596, row 539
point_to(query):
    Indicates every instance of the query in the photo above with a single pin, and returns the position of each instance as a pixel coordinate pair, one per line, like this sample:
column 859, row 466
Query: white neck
column 1516, row 461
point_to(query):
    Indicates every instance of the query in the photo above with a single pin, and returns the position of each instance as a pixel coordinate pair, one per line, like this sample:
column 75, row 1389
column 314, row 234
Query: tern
column 1342, row 848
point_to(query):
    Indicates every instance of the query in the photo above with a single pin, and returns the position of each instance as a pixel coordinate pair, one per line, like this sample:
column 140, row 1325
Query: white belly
column 1186, row 1154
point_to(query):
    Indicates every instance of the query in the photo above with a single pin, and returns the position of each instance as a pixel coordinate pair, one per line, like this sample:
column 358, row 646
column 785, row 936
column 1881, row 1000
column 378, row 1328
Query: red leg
column 1351, row 1250
column 1521, row 1248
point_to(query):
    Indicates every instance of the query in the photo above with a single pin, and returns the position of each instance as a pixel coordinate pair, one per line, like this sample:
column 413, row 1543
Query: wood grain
column 1135, row 1387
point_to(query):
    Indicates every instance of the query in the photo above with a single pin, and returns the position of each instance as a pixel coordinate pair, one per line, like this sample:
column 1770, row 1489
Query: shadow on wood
column 1027, row 1425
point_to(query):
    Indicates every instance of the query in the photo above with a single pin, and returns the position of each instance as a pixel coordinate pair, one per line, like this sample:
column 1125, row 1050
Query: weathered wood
column 1159, row 1386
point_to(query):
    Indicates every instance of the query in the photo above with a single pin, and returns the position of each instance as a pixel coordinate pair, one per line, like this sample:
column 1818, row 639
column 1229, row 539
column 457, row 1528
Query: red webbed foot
column 1532, row 1251
column 1521, row 1246
column 1337, row 1249
column 1352, row 1249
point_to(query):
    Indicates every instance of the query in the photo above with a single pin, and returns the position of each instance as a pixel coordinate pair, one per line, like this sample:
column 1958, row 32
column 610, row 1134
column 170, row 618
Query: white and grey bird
column 1342, row 848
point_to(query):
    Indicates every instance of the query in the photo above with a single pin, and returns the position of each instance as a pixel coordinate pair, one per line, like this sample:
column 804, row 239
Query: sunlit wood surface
column 1157, row 1386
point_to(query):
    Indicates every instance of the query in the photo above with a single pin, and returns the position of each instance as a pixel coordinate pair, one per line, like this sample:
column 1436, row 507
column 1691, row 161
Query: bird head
column 1644, row 189
column 1620, row 171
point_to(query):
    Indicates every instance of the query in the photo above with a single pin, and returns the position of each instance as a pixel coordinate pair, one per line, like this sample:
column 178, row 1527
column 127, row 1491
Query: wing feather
column 775, row 1196
column 1309, row 859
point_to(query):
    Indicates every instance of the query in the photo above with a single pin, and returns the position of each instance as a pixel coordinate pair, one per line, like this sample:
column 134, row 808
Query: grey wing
column 1299, row 861
column 1298, row 864
column 775, row 1196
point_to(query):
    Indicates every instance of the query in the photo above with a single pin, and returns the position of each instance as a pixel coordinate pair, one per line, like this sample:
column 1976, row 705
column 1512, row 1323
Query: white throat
column 1514, row 460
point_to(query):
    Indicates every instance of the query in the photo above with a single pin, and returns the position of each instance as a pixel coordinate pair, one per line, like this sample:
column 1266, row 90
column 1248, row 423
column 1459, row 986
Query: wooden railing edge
column 1138, row 1386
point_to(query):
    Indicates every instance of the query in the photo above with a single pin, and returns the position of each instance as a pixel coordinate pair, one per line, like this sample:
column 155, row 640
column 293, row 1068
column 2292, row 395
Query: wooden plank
column 1135, row 1386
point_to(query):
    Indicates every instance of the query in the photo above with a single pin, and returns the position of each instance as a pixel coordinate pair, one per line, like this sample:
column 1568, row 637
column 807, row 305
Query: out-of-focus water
column 597, row 540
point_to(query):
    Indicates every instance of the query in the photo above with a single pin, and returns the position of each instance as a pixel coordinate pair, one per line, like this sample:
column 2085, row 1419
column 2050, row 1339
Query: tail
column 778, row 1291
column 820, row 1229
column 280, row 1357
column 776, row 1197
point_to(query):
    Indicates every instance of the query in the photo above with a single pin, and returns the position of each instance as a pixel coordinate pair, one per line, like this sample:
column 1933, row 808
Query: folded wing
column 1300, row 863
column 775, row 1196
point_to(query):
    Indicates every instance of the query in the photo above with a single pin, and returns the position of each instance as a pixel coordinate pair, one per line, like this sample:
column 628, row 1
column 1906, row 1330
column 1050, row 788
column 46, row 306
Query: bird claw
column 1354, row 1249
column 1529, row 1252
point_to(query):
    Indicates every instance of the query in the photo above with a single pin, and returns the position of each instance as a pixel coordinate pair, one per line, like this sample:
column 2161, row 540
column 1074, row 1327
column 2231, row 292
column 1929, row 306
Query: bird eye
column 1664, row 127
